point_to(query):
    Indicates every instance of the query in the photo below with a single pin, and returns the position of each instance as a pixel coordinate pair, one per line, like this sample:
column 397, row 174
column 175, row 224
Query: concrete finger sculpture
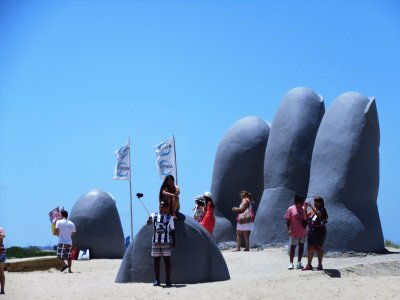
column 238, row 166
column 345, row 172
column 98, row 225
column 287, row 162
column 195, row 259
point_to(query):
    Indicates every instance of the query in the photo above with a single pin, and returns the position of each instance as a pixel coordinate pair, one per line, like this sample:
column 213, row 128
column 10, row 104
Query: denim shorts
column 3, row 257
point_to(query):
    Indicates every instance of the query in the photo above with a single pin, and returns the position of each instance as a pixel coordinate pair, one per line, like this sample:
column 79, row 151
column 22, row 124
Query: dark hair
column 299, row 199
column 320, row 200
column 64, row 213
column 164, row 203
column 200, row 202
column 245, row 194
column 166, row 186
column 207, row 199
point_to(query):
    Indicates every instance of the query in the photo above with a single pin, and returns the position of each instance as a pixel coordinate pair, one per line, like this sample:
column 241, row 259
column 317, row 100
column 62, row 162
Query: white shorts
column 295, row 241
column 245, row 226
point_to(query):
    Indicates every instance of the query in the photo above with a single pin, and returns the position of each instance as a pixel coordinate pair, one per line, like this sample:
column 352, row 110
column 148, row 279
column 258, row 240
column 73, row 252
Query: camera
column 139, row 195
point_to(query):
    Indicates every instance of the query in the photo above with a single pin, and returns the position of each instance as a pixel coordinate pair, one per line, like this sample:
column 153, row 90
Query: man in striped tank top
column 162, row 242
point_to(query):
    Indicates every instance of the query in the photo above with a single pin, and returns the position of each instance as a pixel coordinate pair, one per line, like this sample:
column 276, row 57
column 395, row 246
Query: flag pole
column 176, row 164
column 130, row 186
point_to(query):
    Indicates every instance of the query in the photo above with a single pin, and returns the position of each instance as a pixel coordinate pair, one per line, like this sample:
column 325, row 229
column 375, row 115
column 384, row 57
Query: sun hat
column 208, row 195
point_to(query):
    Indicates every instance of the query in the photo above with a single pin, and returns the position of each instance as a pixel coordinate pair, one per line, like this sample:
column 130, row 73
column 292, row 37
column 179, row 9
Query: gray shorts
column 161, row 249
column 295, row 241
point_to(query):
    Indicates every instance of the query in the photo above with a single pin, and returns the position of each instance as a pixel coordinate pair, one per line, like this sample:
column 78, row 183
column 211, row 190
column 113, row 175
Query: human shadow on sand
column 333, row 273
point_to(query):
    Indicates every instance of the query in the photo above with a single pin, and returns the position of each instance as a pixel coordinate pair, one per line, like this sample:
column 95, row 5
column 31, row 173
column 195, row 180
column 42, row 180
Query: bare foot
column 246, row 249
column 69, row 271
column 236, row 250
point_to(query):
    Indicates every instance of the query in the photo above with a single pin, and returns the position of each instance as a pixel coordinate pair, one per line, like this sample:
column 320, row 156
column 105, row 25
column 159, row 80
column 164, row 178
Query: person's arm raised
column 244, row 205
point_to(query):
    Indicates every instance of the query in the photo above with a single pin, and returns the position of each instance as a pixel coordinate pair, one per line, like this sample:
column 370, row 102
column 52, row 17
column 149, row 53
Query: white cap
column 208, row 195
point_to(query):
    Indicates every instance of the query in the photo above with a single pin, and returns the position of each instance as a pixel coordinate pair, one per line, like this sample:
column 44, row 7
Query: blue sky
column 77, row 78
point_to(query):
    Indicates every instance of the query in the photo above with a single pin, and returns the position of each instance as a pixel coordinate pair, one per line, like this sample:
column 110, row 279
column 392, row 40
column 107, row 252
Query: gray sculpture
column 287, row 162
column 342, row 167
column 98, row 225
column 238, row 166
column 195, row 259
column 345, row 172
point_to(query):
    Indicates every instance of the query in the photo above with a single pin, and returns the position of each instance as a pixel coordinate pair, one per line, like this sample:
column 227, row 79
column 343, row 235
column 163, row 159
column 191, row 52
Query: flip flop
column 63, row 268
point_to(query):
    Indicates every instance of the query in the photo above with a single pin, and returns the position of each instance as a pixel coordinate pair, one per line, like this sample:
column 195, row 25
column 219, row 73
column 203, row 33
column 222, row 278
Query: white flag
column 123, row 168
column 165, row 154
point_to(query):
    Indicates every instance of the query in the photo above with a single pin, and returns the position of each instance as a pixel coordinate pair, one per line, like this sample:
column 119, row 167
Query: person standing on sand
column 3, row 256
column 64, row 230
column 198, row 210
column 244, row 229
column 317, row 219
column 208, row 221
column 162, row 242
column 296, row 225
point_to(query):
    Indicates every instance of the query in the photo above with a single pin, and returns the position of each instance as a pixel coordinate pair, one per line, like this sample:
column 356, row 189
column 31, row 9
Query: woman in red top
column 209, row 220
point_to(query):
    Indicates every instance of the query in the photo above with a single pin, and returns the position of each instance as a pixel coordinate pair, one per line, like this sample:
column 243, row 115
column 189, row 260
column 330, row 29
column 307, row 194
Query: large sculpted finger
column 287, row 162
column 345, row 172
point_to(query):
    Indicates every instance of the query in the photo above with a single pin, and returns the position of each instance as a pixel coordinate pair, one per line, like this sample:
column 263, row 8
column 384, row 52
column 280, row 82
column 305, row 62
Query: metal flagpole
column 176, row 164
column 130, row 186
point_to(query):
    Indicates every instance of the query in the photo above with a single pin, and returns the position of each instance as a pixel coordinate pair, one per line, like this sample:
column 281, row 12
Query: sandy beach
column 258, row 274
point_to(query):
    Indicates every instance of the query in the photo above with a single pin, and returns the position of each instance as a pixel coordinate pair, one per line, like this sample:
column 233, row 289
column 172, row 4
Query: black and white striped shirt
column 162, row 226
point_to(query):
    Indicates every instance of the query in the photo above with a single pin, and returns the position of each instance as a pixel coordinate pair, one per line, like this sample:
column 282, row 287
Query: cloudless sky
column 77, row 78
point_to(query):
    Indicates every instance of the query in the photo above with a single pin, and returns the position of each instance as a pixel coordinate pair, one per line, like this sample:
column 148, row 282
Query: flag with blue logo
column 122, row 170
column 166, row 158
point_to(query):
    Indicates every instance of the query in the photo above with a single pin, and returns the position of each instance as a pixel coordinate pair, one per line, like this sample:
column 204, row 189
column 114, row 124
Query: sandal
column 307, row 268
column 63, row 268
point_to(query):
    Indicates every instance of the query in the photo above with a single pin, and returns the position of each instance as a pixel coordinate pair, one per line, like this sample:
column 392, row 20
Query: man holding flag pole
column 123, row 170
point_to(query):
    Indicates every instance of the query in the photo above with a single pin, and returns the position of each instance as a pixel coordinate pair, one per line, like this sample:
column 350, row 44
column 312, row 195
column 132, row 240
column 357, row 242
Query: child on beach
column 198, row 209
column 162, row 242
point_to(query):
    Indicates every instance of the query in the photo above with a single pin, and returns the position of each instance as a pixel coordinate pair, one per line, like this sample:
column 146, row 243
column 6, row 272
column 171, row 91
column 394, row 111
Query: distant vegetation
column 389, row 243
column 18, row 252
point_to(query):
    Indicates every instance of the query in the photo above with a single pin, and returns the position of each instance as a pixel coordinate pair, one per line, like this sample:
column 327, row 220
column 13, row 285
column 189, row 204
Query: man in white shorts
column 297, row 232
column 162, row 241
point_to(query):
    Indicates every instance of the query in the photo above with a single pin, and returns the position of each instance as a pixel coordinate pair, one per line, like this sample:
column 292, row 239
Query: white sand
column 254, row 275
